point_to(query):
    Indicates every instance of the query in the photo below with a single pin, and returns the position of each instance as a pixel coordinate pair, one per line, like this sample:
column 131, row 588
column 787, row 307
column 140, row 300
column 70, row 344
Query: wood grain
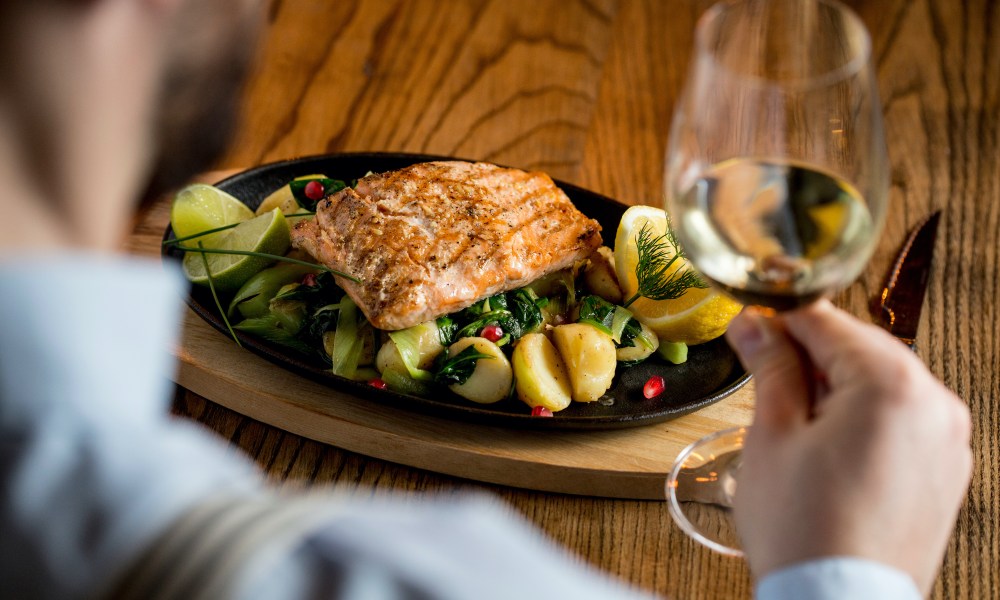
column 585, row 90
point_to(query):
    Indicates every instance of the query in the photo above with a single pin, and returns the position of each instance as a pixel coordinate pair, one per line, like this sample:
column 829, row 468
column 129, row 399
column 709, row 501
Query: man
column 101, row 100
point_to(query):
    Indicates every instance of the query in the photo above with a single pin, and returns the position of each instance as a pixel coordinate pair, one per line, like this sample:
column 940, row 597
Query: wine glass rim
column 844, row 71
column 674, row 505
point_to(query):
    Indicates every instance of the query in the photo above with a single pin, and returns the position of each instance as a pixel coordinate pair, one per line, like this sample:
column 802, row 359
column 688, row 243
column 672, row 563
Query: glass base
column 701, row 488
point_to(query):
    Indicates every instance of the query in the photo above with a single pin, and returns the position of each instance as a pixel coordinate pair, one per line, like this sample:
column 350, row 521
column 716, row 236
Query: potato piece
column 491, row 380
column 590, row 358
column 540, row 376
column 428, row 344
column 639, row 351
column 282, row 198
column 600, row 278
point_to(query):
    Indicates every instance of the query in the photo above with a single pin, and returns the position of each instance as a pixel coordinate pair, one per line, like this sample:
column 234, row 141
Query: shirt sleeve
column 106, row 495
column 836, row 578
column 91, row 464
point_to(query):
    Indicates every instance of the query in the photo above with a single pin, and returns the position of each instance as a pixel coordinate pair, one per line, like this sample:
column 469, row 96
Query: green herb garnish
column 657, row 255
column 215, row 296
column 457, row 369
column 266, row 255
column 175, row 241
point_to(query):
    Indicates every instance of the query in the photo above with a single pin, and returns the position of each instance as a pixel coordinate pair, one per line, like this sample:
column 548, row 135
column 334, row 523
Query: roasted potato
column 590, row 359
column 491, row 380
column 539, row 373
column 600, row 278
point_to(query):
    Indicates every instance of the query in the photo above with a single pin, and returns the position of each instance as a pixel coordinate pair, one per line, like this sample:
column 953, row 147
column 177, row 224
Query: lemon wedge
column 698, row 316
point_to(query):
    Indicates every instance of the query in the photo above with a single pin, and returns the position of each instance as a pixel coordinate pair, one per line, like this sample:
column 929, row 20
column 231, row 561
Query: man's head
column 103, row 100
column 210, row 51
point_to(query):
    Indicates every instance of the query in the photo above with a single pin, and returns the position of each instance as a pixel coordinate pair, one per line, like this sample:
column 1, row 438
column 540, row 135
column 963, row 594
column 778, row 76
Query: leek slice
column 399, row 382
column 649, row 343
column 619, row 321
column 408, row 344
column 347, row 344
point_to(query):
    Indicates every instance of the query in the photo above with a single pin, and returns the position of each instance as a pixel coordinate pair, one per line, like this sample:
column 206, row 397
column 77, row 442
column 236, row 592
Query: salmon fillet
column 434, row 238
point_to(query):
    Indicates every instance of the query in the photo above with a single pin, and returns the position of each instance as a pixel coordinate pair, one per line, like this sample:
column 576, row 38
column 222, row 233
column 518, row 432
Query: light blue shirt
column 100, row 483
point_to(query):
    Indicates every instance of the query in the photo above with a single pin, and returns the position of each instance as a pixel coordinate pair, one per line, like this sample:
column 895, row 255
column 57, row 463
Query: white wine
column 775, row 234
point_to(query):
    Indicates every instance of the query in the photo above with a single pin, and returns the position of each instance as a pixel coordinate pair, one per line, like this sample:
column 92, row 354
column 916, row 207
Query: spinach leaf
column 597, row 311
column 501, row 317
column 298, row 187
column 457, row 369
column 595, row 308
column 473, row 312
column 497, row 302
column 447, row 328
column 319, row 322
column 516, row 312
column 484, row 306
column 526, row 308
column 323, row 291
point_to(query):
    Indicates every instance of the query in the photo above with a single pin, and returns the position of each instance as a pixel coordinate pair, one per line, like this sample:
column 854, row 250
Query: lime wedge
column 200, row 207
column 267, row 233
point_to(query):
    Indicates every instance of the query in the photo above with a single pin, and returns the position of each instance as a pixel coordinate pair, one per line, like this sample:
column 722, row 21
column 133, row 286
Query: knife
column 898, row 308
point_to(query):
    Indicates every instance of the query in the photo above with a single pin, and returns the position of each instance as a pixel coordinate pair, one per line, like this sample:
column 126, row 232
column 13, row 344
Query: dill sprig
column 657, row 255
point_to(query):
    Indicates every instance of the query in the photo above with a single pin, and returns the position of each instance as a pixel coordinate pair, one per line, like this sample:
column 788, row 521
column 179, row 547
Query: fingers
column 837, row 343
column 778, row 367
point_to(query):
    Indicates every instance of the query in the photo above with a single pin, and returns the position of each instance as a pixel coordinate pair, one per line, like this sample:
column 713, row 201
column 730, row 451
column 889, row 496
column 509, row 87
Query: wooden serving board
column 623, row 463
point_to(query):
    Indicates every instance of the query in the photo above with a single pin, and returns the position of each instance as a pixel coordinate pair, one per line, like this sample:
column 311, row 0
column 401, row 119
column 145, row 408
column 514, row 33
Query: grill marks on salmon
column 434, row 238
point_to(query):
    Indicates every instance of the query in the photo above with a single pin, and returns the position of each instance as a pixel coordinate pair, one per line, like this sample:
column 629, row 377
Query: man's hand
column 856, row 449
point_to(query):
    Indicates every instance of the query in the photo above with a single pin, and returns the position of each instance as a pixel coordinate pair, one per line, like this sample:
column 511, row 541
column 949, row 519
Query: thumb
column 778, row 365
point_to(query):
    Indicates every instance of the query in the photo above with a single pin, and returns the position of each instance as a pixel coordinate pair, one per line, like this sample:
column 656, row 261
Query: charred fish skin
column 434, row 238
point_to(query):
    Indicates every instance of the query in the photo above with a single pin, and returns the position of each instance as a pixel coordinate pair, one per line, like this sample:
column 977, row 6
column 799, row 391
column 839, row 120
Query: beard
column 198, row 107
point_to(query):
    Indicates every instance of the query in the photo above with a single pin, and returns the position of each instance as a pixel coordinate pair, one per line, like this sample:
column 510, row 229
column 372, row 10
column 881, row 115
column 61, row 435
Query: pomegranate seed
column 492, row 332
column 654, row 386
column 309, row 280
column 378, row 384
column 314, row 190
column 541, row 411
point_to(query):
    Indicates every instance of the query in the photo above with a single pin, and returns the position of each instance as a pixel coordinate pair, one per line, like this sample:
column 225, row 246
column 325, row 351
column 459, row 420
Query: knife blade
column 898, row 308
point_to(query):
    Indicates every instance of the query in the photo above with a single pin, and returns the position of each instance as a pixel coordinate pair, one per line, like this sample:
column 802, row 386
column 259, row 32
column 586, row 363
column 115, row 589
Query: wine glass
column 776, row 181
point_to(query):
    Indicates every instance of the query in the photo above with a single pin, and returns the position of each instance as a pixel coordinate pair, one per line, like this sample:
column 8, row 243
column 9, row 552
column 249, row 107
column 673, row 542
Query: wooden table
column 585, row 91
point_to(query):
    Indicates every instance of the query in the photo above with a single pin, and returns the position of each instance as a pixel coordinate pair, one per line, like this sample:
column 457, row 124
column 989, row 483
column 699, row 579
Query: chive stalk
column 215, row 296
